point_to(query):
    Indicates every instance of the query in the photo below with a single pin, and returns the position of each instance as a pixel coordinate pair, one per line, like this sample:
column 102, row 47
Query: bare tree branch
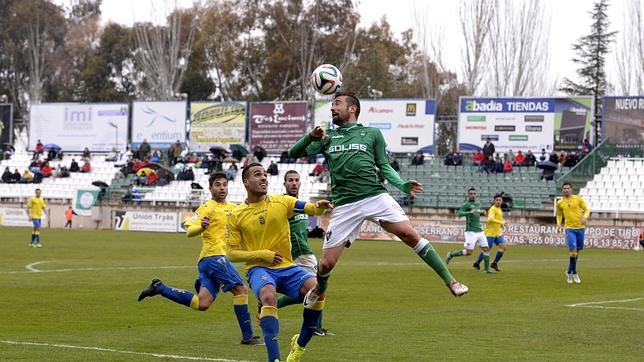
column 476, row 20
column 630, row 51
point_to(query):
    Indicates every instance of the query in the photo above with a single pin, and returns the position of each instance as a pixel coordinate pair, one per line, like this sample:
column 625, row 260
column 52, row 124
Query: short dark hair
column 246, row 169
column 216, row 176
column 290, row 172
column 471, row 189
column 352, row 99
column 566, row 183
column 498, row 195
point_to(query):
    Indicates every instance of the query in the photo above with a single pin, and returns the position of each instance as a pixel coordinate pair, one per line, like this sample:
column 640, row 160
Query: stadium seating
column 446, row 186
column 181, row 192
column 61, row 189
column 618, row 187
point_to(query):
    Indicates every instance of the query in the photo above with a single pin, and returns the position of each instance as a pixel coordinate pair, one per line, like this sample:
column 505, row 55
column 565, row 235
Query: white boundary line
column 111, row 350
column 599, row 305
column 30, row 267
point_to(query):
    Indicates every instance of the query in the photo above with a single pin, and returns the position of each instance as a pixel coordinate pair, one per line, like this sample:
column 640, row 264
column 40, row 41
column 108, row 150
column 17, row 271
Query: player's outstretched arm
column 463, row 211
column 235, row 254
column 309, row 144
column 493, row 218
column 382, row 161
column 317, row 209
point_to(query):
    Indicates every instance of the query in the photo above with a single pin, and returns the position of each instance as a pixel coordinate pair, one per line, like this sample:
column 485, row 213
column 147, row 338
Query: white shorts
column 308, row 262
column 346, row 220
column 473, row 237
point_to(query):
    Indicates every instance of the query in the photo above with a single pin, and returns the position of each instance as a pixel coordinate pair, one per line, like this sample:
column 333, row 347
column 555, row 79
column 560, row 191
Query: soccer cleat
column 576, row 279
column 296, row 351
column 253, row 341
column 322, row 332
column 494, row 266
column 448, row 257
column 568, row 278
column 39, row 245
column 458, row 288
column 31, row 245
column 476, row 266
column 152, row 290
column 310, row 298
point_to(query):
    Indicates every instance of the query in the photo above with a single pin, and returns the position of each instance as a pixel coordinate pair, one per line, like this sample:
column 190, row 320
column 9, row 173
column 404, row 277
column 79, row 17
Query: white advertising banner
column 160, row 123
column 17, row 217
column 74, row 126
column 406, row 124
column 521, row 124
column 145, row 221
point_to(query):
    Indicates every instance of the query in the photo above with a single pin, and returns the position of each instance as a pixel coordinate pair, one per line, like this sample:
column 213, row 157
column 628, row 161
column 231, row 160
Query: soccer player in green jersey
column 471, row 210
column 300, row 250
column 353, row 153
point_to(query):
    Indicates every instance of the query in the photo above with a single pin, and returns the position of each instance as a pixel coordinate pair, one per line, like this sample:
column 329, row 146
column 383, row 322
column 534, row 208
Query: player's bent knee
column 239, row 290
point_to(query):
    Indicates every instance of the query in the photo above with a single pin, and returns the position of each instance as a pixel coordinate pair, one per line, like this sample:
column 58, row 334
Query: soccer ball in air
column 326, row 79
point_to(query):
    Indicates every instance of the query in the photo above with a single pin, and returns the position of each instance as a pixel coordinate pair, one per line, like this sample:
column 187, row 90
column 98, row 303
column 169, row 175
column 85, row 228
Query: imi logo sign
column 77, row 119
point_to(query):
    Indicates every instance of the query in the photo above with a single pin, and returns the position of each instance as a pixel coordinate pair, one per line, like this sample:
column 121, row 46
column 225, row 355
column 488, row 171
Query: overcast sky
column 569, row 21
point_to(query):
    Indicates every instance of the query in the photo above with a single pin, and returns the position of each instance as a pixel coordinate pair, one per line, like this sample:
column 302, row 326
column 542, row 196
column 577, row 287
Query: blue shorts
column 498, row 240
column 36, row 223
column 575, row 238
column 217, row 272
column 287, row 281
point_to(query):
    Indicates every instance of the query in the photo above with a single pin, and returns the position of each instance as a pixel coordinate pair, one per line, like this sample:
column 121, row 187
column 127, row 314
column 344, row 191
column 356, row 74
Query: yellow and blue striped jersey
column 214, row 237
column 36, row 205
column 494, row 222
column 572, row 209
column 264, row 226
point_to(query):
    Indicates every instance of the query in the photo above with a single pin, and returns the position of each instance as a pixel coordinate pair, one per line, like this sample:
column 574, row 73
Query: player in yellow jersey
column 259, row 235
column 494, row 233
column 574, row 212
column 215, row 270
column 35, row 209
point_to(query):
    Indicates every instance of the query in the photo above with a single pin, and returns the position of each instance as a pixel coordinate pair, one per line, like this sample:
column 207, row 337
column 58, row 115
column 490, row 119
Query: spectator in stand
column 478, row 158
column 286, row 158
column 123, row 157
column 562, row 158
column 449, row 160
column 138, row 164
column 40, row 149
column 499, row 164
column 393, row 162
column 520, row 159
column 530, row 160
column 586, row 147
column 152, row 179
column 6, row 175
column 488, row 149
column 231, row 172
column 27, row 177
column 571, row 160
column 9, row 150
column 74, row 167
column 543, row 156
column 15, row 177
column 458, row 159
column 86, row 166
column 548, row 174
column 259, row 153
column 554, row 158
column 156, row 157
column 175, row 152
column 86, row 153
column 186, row 174
column 509, row 156
column 489, row 166
column 317, row 169
column 507, row 166
column 418, row 158
column 192, row 158
column 46, row 170
column 272, row 169
column 144, row 150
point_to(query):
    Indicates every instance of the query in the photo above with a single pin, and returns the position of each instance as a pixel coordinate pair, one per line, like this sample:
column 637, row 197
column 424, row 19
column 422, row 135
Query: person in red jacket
column 46, row 170
column 519, row 159
column 507, row 166
column 86, row 167
column 478, row 157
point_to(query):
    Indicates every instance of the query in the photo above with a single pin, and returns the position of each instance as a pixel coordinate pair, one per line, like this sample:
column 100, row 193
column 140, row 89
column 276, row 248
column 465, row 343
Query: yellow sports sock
column 194, row 303
column 240, row 299
column 268, row 311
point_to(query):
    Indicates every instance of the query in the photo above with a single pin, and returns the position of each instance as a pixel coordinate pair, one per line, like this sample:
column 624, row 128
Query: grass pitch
column 384, row 304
